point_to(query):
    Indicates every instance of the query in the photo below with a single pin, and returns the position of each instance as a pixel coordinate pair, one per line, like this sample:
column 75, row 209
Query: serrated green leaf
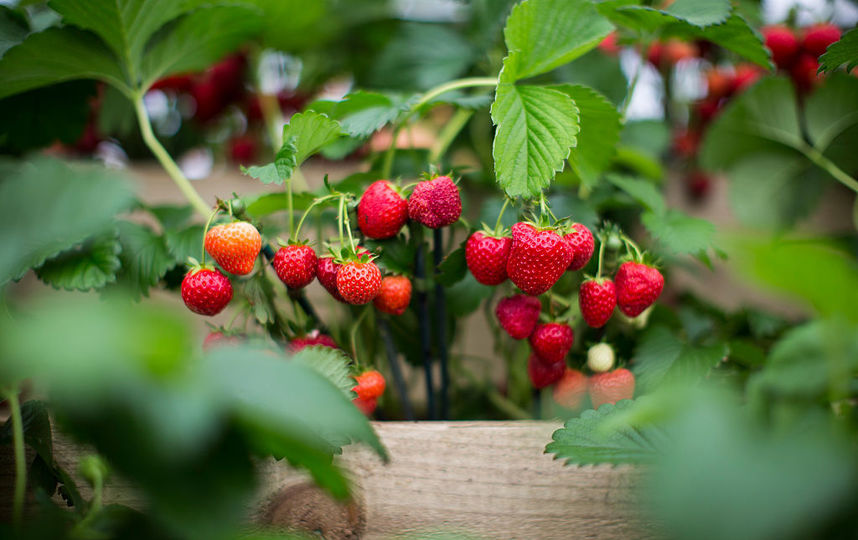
column 680, row 233
column 641, row 190
column 536, row 127
column 310, row 131
column 395, row 254
column 453, row 268
column 56, row 55
column 285, row 160
column 269, row 203
column 841, row 52
column 13, row 28
column 199, row 39
column 184, row 243
column 661, row 358
column 599, row 135
column 831, row 109
column 145, row 258
column 466, row 296
column 549, row 33
column 59, row 192
column 333, row 364
column 91, row 265
column 37, row 429
column 700, row 12
column 362, row 113
column 172, row 216
column 259, row 295
column 267, row 174
column 587, row 441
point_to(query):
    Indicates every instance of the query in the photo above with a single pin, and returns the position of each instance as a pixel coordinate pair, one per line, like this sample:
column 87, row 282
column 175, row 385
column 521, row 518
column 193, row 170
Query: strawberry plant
column 540, row 198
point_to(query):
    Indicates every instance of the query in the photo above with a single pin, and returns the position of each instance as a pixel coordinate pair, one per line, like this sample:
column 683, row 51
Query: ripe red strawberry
column 783, row 44
column 686, row 142
column 242, row 149
column 746, row 76
column 295, row 265
column 570, row 389
column 312, row 339
column 326, row 271
column 219, row 339
column 675, row 50
column 597, row 300
column 206, row 291
column 638, row 286
column 552, row 341
column 234, row 246
column 366, row 406
column 699, row 183
column 435, row 203
column 537, row 259
column 611, row 387
column 358, row 282
column 394, row 296
column 518, row 315
column 382, row 211
column 804, row 72
column 582, row 243
column 543, row 372
column 609, row 45
column 818, row 37
column 707, row 109
column 487, row 256
column 370, row 384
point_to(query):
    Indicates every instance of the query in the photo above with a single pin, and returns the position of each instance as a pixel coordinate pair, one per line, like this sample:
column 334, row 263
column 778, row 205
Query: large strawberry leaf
column 92, row 265
column 831, row 110
column 362, row 113
column 661, row 358
column 145, row 258
column 679, row 233
column 333, row 364
column 842, row 52
column 13, row 28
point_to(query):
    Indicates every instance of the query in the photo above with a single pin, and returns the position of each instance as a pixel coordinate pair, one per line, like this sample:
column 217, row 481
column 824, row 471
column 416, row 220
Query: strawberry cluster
column 796, row 52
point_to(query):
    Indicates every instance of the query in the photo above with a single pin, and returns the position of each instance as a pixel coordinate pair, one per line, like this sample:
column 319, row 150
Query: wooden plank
column 489, row 479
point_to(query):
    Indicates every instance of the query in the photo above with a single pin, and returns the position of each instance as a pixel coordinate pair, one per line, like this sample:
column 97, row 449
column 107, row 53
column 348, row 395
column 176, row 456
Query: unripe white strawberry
column 600, row 357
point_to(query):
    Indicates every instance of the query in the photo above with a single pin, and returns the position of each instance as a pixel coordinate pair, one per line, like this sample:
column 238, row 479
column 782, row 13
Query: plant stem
column 348, row 227
column 819, row 159
column 601, row 257
column 393, row 360
column 387, row 165
column 340, row 219
column 500, row 215
column 441, row 323
column 20, row 456
column 423, row 322
column 290, row 208
column 165, row 160
column 454, row 85
column 447, row 135
column 353, row 334
column 314, row 204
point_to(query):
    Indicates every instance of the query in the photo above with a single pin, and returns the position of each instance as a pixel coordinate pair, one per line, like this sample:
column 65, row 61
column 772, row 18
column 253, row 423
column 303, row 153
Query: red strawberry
column 487, row 256
column 382, row 211
column 609, row 46
column 518, row 315
column 314, row 338
column 219, row 339
column 242, row 149
column 638, row 286
column 358, row 282
column 719, row 83
column 686, row 142
column 597, row 299
column 783, row 44
column 326, row 271
column 552, row 341
column 674, row 51
column 582, row 243
column 176, row 83
column 707, row 109
column 654, row 53
column 543, row 372
column 804, row 72
column 370, row 385
column 295, row 265
column 394, row 296
column 570, row 389
column 435, row 203
column 234, row 246
column 537, row 259
column 745, row 77
column 206, row 291
column 611, row 387
column 698, row 183
column 366, row 406
column 818, row 37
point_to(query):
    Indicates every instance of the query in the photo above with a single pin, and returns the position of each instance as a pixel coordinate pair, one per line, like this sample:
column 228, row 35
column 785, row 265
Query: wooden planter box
column 483, row 479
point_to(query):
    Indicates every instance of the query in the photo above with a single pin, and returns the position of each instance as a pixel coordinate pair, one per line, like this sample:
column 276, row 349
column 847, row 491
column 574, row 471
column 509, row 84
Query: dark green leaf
column 466, row 296
column 116, row 115
column 92, row 265
column 680, row 233
column 269, row 203
column 184, row 243
column 172, row 216
column 831, row 109
column 13, row 28
column 395, row 255
column 662, row 358
column 267, row 174
column 37, row 429
column 259, row 295
column 700, row 12
column 309, row 132
column 333, row 364
column 362, row 113
column 649, row 136
column 453, row 268
column 842, row 52
column 145, row 258
column 642, row 191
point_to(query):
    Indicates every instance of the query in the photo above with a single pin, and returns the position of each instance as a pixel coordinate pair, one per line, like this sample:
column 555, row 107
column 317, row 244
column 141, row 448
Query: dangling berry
column 597, row 300
column 537, row 259
column 570, row 389
column 218, row 339
column 582, row 243
column 326, row 272
column 234, row 246
column 358, row 282
column 206, row 291
column 370, row 384
column 611, row 387
column 312, row 339
column 638, row 287
column 600, row 357
column 518, row 315
column 783, row 44
column 487, row 256
column 435, row 203
column 366, row 406
column 394, row 296
column 552, row 341
column 543, row 372
column 382, row 211
column 818, row 37
column 295, row 265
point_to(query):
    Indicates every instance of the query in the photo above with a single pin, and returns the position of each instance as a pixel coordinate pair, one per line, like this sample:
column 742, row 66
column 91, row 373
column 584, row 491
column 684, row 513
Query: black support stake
column 423, row 323
column 441, row 323
column 393, row 360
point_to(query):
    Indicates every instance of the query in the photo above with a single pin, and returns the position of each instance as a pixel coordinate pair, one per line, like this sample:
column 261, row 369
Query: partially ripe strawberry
column 654, row 52
column 358, row 282
column 609, row 46
column 234, row 246
column 394, row 296
column 435, row 203
column 600, row 357
column 206, row 291
column 543, row 372
column 570, row 389
column 686, row 142
column 486, row 257
column 326, row 272
column 818, row 37
column 597, row 300
column 783, row 44
column 537, row 259
column 675, row 51
column 582, row 243
column 804, row 72
column 370, row 385
column 638, row 287
column 382, row 211
column 312, row 339
column 295, row 265
column 611, row 387
column 707, row 109
column 366, row 406
column 219, row 339
column 746, row 76
column 518, row 315
column 719, row 83
column 552, row 341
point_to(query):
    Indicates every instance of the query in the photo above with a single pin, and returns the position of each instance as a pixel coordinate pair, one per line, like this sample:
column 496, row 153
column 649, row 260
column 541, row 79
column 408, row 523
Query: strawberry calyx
column 195, row 266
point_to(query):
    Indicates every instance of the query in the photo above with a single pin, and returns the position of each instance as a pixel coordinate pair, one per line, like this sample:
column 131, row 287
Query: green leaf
column 267, row 174
column 662, row 358
column 37, row 429
column 269, row 203
column 184, row 243
column 536, row 126
column 842, row 52
column 91, row 265
column 310, row 131
column 259, row 294
column 649, row 136
column 588, row 441
column 700, row 12
column 116, row 116
column 362, row 113
column 395, row 254
column 831, row 110
column 333, row 364
column 73, row 202
column 145, row 258
column 642, row 191
column 599, row 135
column 680, row 233
column 57, row 55
column 549, row 33
column 172, row 216
column 199, row 39
column 466, row 296
column 13, row 28
column 453, row 268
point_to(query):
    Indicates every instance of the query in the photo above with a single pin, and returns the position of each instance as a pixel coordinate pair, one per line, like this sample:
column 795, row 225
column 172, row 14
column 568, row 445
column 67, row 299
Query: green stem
column 165, row 160
column 387, row 166
column 315, row 203
column 447, row 135
column 353, row 334
column 819, row 159
column 289, row 207
column 500, row 215
column 20, row 456
column 601, row 257
column 340, row 219
column 348, row 227
column 205, row 232
column 454, row 85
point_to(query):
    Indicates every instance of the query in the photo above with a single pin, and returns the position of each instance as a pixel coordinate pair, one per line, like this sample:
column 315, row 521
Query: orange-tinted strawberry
column 234, row 246
column 581, row 240
column 370, row 384
column 394, row 296
column 206, row 291
column 487, row 256
column 537, row 259
column 571, row 389
column 358, row 282
column 597, row 300
column 611, row 387
column 295, row 265
column 518, row 315
column 544, row 372
column 552, row 341
column 382, row 211
column 435, row 203
column 746, row 76
column 638, row 286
